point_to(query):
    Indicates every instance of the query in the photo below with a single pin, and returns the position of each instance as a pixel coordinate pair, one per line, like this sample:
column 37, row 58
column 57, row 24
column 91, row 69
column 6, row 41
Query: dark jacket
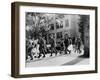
column 52, row 42
column 66, row 42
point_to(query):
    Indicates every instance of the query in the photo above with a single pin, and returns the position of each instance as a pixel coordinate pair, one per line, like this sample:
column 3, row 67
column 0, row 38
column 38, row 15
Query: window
column 59, row 20
column 51, row 26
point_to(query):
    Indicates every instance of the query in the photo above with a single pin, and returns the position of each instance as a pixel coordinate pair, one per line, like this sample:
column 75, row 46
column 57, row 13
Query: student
column 62, row 44
column 41, row 47
column 66, row 43
column 78, row 44
column 52, row 43
column 29, row 48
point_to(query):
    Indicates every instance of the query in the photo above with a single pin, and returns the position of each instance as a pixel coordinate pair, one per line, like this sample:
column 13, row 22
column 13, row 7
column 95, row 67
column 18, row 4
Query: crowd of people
column 38, row 47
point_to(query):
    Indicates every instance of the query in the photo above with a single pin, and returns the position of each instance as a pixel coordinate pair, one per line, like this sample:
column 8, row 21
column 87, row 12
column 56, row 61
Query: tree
column 84, row 30
column 37, row 23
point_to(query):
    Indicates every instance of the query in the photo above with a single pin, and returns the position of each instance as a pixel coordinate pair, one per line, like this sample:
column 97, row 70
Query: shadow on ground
column 75, row 61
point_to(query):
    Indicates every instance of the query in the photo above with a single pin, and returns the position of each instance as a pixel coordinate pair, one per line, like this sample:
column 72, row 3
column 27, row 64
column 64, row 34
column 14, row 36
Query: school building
column 68, row 24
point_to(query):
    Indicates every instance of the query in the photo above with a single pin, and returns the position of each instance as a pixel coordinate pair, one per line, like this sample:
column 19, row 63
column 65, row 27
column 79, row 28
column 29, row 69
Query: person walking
column 66, row 44
column 52, row 43
column 41, row 47
column 29, row 48
column 78, row 44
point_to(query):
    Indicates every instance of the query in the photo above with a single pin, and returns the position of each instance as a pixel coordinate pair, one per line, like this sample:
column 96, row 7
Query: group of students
column 39, row 47
column 74, row 43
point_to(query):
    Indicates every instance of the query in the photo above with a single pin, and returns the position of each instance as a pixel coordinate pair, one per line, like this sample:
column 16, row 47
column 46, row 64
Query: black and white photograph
column 52, row 39
column 56, row 39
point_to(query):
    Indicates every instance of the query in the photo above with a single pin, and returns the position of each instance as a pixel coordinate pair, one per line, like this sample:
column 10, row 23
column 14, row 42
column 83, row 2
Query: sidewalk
column 59, row 60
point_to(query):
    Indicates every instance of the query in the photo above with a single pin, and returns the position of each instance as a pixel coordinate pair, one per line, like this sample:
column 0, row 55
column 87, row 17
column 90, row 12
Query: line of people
column 39, row 48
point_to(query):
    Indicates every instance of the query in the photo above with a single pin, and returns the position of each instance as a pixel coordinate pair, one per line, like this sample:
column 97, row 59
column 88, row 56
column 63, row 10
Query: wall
column 74, row 27
column 5, row 40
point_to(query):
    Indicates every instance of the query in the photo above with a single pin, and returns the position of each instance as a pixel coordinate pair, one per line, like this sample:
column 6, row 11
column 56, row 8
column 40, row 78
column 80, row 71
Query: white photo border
column 38, row 70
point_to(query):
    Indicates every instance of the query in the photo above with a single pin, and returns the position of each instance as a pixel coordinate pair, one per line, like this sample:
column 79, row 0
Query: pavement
column 59, row 60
